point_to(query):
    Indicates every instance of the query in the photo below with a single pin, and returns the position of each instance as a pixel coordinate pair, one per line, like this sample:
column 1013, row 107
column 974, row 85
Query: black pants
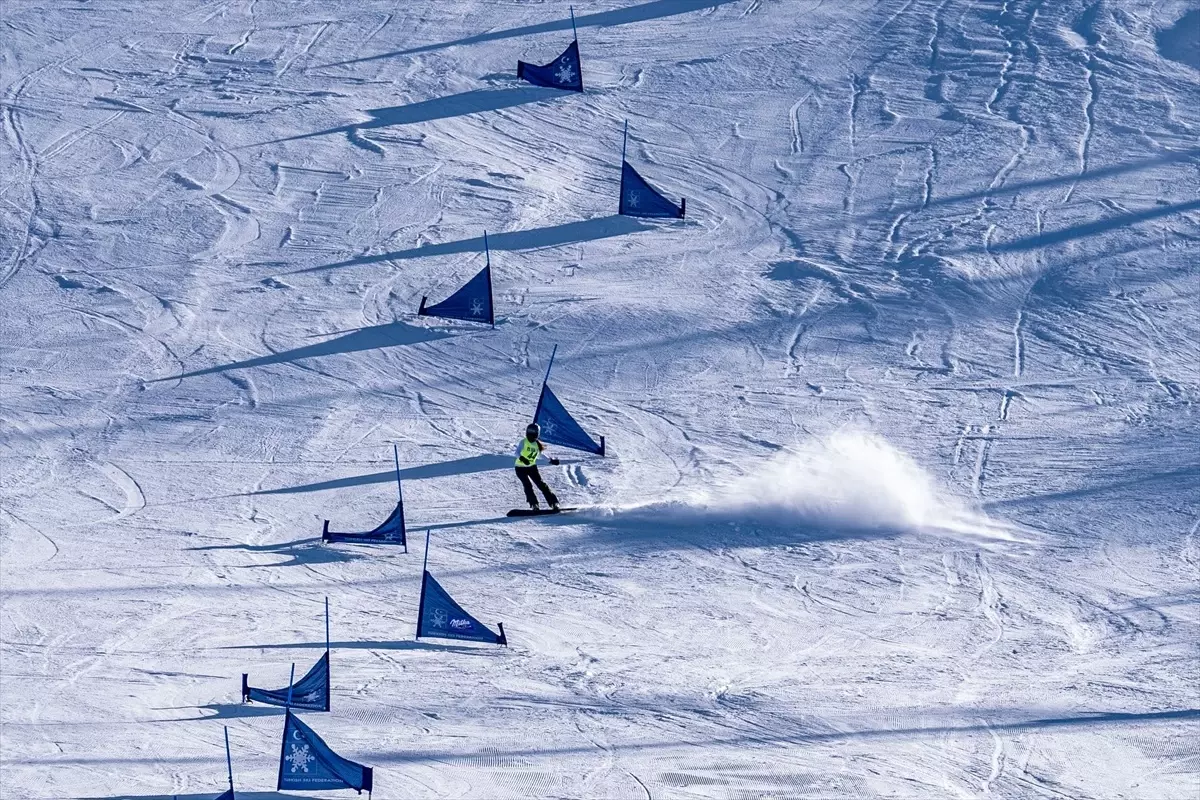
column 530, row 476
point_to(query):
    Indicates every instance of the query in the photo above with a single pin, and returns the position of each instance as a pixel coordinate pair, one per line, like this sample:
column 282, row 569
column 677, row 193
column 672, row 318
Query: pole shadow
column 475, row 101
column 1170, row 157
column 459, row 466
column 402, row 644
column 620, row 16
column 376, row 337
column 535, row 239
column 1077, row 232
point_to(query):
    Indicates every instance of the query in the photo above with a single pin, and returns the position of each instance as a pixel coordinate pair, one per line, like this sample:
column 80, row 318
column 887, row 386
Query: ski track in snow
column 931, row 321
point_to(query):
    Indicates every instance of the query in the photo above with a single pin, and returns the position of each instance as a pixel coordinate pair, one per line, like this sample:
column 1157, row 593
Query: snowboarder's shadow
column 669, row 526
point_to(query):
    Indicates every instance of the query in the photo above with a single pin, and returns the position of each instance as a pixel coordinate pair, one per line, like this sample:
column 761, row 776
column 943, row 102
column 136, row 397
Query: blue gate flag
column 639, row 198
column 390, row 531
column 306, row 762
column 226, row 795
column 473, row 302
column 557, row 425
column 439, row 617
column 310, row 692
column 564, row 72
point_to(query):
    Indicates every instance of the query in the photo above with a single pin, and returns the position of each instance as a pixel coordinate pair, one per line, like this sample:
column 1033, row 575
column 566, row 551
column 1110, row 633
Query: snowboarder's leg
column 527, row 485
column 541, row 484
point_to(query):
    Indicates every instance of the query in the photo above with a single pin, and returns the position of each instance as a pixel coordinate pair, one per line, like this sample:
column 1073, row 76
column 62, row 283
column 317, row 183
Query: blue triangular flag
column 306, row 762
column 640, row 199
column 226, row 795
column 439, row 617
column 390, row 531
column 559, row 427
column 310, row 692
column 564, row 72
column 473, row 302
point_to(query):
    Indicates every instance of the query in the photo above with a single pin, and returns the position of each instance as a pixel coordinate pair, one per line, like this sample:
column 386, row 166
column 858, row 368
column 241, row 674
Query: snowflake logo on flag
column 566, row 73
column 440, row 617
column 311, row 697
column 300, row 758
column 476, row 307
column 548, row 427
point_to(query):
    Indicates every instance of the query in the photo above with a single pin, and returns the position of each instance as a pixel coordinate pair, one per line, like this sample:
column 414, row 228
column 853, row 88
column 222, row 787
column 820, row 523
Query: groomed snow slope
column 901, row 498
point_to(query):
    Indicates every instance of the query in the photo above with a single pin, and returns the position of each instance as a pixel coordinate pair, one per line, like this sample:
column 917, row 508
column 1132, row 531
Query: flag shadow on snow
column 209, row 795
column 444, row 469
column 399, row 644
column 802, row 732
column 475, row 101
column 300, row 552
column 587, row 230
column 376, row 337
column 643, row 12
column 233, row 711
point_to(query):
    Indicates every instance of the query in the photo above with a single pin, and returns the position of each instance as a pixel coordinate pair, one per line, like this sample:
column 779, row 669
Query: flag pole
column 550, row 366
column 624, row 141
column 228, row 760
column 396, row 455
column 326, row 624
column 573, row 30
column 291, row 682
column 424, row 572
column 488, row 258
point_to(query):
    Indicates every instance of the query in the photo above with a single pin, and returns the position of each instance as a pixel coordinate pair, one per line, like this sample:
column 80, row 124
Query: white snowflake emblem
column 566, row 73
column 634, row 199
column 440, row 617
column 476, row 307
column 300, row 758
column 311, row 697
column 549, row 427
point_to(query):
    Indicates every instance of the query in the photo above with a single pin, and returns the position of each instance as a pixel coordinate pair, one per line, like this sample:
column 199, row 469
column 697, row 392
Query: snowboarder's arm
column 542, row 454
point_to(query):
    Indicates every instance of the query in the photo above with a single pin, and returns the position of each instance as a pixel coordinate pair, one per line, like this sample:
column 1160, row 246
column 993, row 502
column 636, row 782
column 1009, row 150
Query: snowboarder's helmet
column 533, row 431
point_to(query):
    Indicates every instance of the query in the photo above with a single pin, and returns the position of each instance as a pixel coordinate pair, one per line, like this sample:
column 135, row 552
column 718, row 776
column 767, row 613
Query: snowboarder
column 529, row 450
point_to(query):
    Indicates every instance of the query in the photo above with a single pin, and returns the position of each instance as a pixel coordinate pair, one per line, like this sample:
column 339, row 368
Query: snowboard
column 541, row 512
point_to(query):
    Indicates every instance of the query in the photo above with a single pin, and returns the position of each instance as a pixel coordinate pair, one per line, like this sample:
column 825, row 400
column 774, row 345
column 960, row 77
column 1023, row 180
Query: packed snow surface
column 901, row 495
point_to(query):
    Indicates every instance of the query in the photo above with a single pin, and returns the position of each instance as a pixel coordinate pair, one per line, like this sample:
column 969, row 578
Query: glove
column 554, row 462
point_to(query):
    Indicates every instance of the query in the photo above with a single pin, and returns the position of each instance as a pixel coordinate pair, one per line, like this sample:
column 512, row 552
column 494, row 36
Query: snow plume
column 851, row 481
